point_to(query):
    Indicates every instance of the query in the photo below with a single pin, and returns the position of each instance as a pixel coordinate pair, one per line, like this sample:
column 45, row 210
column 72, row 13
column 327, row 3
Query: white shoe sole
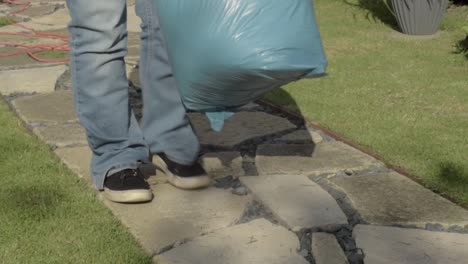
column 186, row 183
column 132, row 196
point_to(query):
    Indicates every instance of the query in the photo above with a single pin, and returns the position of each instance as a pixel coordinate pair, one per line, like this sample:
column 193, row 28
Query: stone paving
column 282, row 192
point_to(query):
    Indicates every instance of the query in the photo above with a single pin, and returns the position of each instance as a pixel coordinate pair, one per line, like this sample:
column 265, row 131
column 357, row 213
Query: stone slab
column 241, row 127
column 133, row 40
column 61, row 31
column 390, row 245
column 56, row 107
column 4, row 9
column 311, row 159
column 301, row 137
column 38, row 24
column 64, row 81
column 20, row 61
column 133, row 21
column 39, row 80
column 56, row 20
column 297, row 201
column 256, row 242
column 12, row 28
column 40, row 10
column 62, row 135
column 176, row 215
column 133, row 74
column 29, row 40
column 391, row 198
column 133, row 61
column 326, row 250
column 78, row 159
column 47, row 2
column 250, row 107
column 133, row 52
column 222, row 164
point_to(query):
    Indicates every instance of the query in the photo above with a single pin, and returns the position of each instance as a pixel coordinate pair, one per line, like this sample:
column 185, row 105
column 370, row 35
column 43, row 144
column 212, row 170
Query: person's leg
column 98, row 46
column 165, row 125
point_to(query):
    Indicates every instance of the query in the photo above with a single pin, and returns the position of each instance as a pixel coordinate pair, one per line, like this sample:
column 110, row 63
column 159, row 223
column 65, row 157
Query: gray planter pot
column 419, row 17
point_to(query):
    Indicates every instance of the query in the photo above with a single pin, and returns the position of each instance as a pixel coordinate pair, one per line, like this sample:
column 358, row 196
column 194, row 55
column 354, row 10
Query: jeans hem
column 99, row 178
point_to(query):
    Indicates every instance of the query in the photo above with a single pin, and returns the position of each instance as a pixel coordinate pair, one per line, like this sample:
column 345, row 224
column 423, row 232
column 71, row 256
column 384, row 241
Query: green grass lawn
column 47, row 214
column 405, row 99
column 6, row 21
column 53, row 54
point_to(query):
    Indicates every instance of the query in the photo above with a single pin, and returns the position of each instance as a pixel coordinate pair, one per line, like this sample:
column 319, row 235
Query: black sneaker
column 186, row 177
column 127, row 186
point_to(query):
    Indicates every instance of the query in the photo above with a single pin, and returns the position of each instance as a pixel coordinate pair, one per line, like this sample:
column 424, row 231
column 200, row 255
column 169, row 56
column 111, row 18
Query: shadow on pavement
column 248, row 128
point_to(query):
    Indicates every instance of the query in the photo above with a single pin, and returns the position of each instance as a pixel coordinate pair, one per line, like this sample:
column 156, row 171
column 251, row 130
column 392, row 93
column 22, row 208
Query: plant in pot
column 418, row 17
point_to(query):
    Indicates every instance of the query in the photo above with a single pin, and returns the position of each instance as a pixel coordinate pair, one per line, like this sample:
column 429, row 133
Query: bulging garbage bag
column 228, row 53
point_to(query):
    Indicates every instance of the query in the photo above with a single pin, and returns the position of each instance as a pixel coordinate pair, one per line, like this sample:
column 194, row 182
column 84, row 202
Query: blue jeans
column 99, row 44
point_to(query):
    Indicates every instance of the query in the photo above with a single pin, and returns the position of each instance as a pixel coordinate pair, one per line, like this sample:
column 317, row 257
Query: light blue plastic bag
column 228, row 53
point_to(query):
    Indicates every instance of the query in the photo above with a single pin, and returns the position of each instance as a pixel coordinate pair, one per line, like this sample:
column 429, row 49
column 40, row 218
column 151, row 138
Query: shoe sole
column 185, row 183
column 132, row 196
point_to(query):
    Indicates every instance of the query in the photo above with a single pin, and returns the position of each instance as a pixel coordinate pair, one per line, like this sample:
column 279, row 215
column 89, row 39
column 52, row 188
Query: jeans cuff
column 100, row 178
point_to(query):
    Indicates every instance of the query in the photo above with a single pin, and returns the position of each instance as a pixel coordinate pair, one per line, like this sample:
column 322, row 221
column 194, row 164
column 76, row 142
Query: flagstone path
column 282, row 192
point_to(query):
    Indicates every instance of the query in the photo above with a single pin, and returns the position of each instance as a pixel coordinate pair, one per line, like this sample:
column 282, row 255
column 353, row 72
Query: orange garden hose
column 33, row 49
